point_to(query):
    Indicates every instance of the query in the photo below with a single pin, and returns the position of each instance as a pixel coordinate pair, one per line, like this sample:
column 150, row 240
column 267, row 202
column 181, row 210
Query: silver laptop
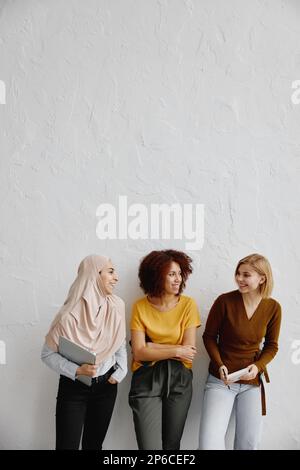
column 75, row 353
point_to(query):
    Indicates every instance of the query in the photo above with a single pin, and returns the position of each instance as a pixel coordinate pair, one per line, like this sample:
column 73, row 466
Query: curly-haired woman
column 163, row 339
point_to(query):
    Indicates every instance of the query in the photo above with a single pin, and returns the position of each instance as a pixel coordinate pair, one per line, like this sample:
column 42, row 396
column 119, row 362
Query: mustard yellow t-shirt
column 164, row 327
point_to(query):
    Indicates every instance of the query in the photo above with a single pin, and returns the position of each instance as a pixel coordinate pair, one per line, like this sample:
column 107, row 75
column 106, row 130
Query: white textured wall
column 162, row 101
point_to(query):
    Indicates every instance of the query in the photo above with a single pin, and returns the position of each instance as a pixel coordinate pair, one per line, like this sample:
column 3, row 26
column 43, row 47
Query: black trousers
column 160, row 397
column 82, row 408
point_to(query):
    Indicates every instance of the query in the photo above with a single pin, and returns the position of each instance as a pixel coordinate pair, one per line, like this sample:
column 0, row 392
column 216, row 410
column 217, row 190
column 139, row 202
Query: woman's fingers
column 89, row 370
column 223, row 371
column 187, row 353
column 246, row 377
column 112, row 381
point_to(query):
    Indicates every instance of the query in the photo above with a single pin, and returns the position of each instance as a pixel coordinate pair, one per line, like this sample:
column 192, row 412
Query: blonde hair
column 262, row 266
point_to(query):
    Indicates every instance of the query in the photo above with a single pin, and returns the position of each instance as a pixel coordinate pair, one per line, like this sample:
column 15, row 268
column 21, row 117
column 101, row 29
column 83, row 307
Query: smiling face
column 248, row 280
column 109, row 278
column 173, row 279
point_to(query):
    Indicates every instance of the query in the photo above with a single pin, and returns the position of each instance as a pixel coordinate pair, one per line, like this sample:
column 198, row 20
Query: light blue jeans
column 218, row 404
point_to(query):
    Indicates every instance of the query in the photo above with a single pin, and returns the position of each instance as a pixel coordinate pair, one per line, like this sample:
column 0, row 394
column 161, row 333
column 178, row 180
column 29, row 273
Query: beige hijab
column 89, row 317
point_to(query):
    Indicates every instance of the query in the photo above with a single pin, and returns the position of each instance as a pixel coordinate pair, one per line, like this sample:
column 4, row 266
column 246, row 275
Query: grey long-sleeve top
column 63, row 366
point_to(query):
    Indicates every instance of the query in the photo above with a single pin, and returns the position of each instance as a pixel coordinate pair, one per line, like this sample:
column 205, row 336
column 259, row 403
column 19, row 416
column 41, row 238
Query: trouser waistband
column 104, row 377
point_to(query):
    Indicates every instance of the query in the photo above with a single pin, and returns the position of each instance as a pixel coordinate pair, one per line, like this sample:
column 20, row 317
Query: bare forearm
column 160, row 346
column 155, row 354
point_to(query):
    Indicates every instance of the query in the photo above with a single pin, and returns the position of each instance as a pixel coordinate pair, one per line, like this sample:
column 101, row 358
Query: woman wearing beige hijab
column 94, row 318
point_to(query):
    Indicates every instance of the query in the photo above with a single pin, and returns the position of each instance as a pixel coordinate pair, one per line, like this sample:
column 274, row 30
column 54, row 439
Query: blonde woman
column 237, row 323
column 92, row 317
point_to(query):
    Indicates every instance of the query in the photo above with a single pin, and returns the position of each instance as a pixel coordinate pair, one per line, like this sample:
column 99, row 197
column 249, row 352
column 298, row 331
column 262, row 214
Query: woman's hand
column 112, row 381
column 87, row 369
column 223, row 371
column 251, row 374
column 186, row 353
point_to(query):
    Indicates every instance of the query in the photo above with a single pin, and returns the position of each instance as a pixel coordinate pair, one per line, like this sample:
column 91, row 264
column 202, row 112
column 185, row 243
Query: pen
column 226, row 379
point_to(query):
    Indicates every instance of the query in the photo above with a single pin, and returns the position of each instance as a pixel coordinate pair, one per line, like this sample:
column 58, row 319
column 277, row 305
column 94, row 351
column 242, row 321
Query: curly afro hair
column 154, row 268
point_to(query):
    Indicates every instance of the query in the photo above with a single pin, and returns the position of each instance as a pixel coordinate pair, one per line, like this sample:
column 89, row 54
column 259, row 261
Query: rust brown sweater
column 232, row 339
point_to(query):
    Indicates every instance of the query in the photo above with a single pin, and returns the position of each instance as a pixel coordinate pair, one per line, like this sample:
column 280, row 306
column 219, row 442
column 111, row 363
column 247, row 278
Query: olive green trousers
column 160, row 397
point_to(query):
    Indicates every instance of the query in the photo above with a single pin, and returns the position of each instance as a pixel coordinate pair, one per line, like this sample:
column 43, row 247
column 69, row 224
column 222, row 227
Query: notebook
column 237, row 375
column 75, row 353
